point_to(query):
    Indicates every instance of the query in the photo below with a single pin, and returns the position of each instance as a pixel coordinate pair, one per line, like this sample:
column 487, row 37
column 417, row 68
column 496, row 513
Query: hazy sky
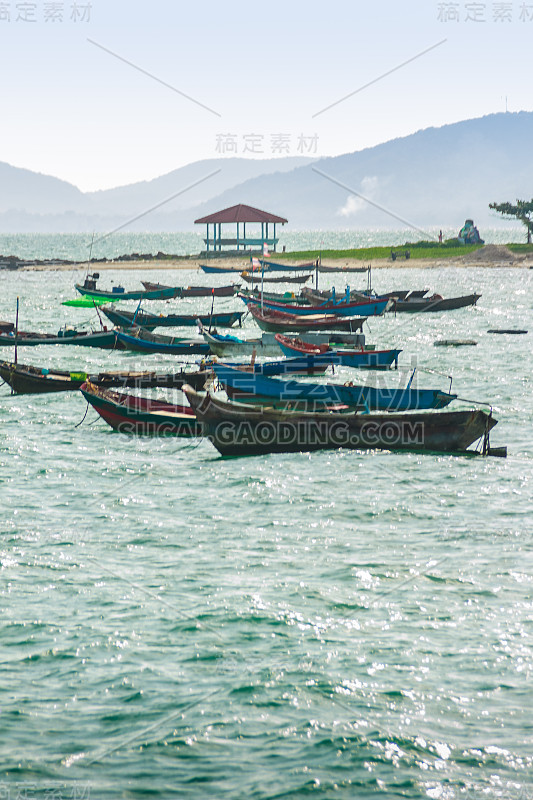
column 73, row 110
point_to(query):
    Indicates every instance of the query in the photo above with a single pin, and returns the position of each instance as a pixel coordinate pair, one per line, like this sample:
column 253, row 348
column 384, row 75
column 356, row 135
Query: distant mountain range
column 32, row 202
column 435, row 177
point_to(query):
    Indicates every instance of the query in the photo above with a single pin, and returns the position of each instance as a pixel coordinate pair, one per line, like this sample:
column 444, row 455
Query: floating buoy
column 506, row 330
column 454, row 342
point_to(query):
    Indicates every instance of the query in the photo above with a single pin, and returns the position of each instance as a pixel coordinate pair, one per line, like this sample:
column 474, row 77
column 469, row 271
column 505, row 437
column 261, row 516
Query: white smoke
column 355, row 204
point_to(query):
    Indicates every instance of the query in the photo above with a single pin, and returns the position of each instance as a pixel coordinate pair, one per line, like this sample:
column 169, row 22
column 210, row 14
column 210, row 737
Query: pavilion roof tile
column 240, row 213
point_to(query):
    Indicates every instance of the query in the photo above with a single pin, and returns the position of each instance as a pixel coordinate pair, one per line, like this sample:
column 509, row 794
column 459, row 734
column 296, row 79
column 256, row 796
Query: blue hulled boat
column 370, row 308
column 258, row 388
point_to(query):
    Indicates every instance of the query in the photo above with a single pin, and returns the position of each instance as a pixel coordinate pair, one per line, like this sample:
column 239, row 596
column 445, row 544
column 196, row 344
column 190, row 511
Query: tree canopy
column 521, row 210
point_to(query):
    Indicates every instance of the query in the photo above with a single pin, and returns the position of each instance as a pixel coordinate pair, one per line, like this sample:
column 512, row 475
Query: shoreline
column 239, row 265
column 423, row 257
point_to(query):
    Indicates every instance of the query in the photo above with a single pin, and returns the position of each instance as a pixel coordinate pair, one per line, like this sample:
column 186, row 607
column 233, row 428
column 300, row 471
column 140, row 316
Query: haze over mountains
column 435, row 177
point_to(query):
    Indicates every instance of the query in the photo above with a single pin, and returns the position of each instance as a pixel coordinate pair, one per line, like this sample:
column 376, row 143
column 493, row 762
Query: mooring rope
column 83, row 418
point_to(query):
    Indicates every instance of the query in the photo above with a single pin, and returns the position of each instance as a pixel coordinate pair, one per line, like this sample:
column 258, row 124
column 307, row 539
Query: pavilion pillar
column 274, row 237
column 244, row 234
column 238, row 248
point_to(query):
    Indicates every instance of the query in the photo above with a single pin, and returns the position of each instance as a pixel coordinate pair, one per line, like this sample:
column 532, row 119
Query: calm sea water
column 329, row 625
column 78, row 246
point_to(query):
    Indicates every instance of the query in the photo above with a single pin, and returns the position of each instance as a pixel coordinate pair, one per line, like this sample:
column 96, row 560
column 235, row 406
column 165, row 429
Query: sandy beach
column 493, row 256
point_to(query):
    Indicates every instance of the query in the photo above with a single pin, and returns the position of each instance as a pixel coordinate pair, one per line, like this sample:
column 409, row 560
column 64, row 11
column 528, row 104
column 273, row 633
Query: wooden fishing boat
column 138, row 415
column 26, row 379
column 118, row 293
column 266, row 345
column 435, row 302
column 214, row 291
column 299, row 365
column 258, row 388
column 358, row 359
column 237, row 430
column 150, row 321
column 324, row 354
column 141, row 340
column 29, row 379
column 401, row 300
column 104, row 339
column 210, row 270
column 274, row 266
column 292, row 345
column 256, row 279
column 196, row 291
column 323, row 268
column 284, row 298
column 370, row 308
column 282, row 322
column 227, row 345
column 316, row 297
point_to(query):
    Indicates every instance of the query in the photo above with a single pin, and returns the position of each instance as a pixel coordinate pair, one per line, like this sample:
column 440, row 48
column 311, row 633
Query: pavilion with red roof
column 237, row 215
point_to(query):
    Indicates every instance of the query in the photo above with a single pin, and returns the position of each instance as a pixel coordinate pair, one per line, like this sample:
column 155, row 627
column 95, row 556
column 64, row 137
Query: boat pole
column 16, row 330
column 102, row 326
column 212, row 306
column 90, row 256
column 318, row 263
column 134, row 316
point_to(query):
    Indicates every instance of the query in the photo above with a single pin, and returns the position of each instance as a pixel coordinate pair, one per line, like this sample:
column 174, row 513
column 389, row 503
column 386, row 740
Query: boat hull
column 428, row 305
column 259, row 388
column 151, row 321
column 167, row 344
column 268, row 346
column 140, row 416
column 279, row 322
column 358, row 359
column 256, row 279
column 237, row 430
column 273, row 266
column 196, row 291
column 158, row 294
column 104, row 339
column 300, row 365
column 373, row 308
column 218, row 270
column 232, row 346
column 34, row 380
column 29, row 379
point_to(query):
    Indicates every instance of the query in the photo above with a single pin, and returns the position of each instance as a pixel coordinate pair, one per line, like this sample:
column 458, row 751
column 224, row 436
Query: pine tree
column 522, row 210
